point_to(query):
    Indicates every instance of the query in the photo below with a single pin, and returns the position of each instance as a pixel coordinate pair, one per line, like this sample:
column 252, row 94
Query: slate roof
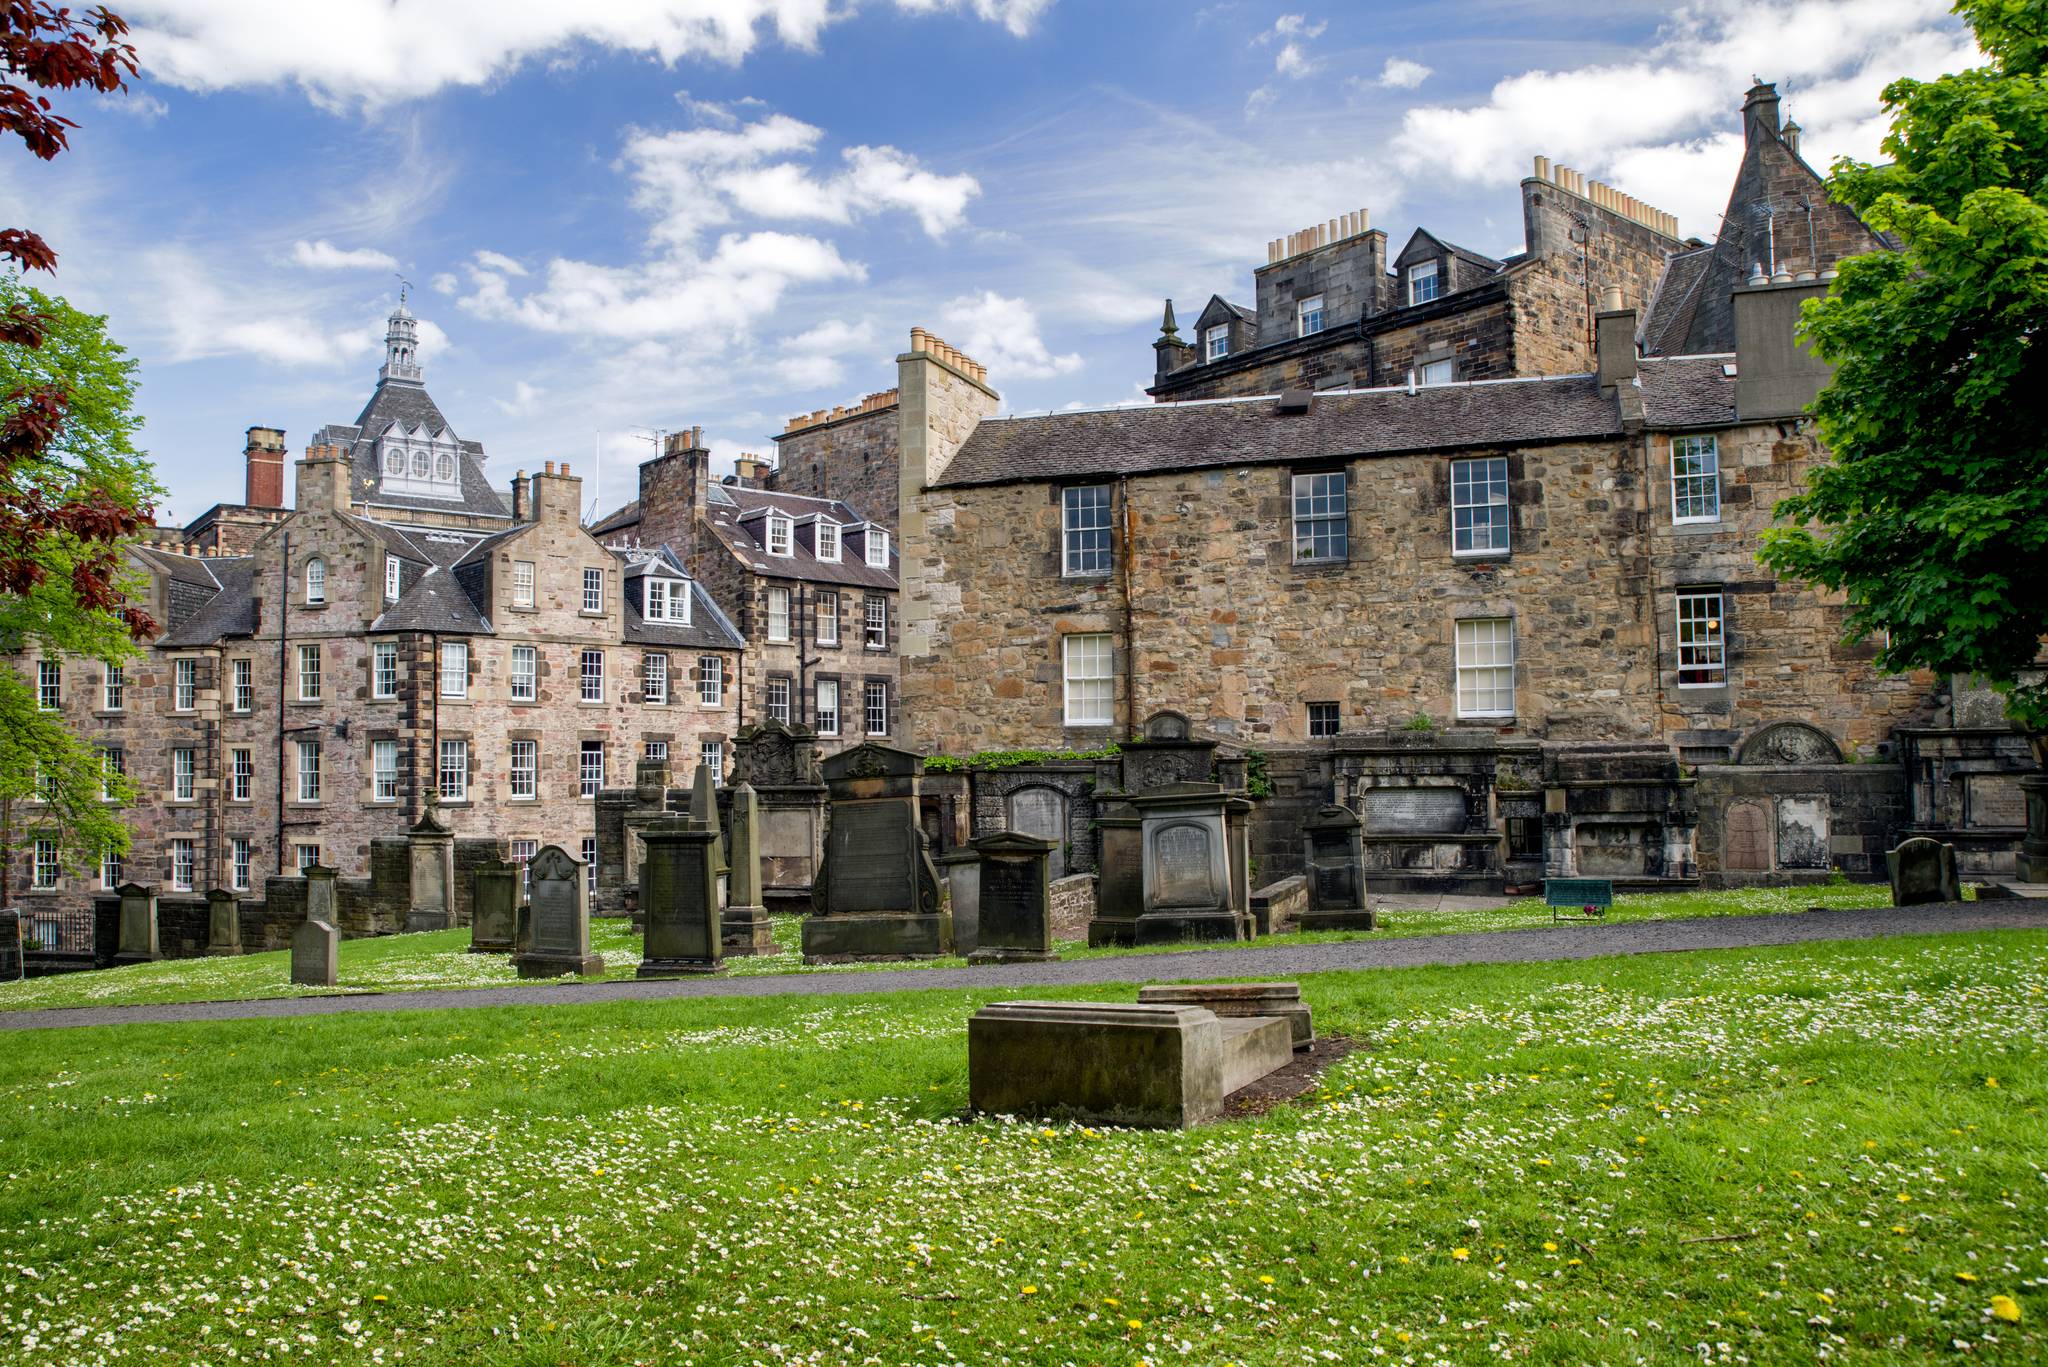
column 230, row 612
column 1688, row 391
column 709, row 628
column 436, row 602
column 183, row 569
column 726, row 513
column 617, row 518
column 1339, row 423
column 407, row 401
column 1668, row 318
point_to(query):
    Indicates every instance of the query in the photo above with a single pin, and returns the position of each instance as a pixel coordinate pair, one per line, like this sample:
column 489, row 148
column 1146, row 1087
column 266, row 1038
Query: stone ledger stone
column 558, row 927
column 223, row 924
column 1014, row 924
column 679, row 900
column 433, row 875
column 877, row 894
column 316, row 954
column 1116, row 1063
column 1334, row 853
column 138, row 942
column 746, row 928
column 1280, row 1000
column 494, row 923
column 1923, row 870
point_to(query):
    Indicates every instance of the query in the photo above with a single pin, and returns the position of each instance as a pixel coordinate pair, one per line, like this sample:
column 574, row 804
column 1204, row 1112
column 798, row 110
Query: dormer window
column 393, row 577
column 444, row 470
column 1308, row 315
column 827, row 536
column 1216, row 342
column 668, row 600
column 878, row 548
column 420, row 465
column 1424, row 284
column 316, row 580
column 781, row 534
column 394, row 462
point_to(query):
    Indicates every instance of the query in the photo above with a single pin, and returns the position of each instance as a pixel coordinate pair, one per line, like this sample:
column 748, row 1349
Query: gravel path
column 1477, row 947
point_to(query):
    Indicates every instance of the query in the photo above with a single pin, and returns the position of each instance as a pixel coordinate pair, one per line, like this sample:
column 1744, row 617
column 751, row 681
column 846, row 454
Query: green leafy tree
column 1933, row 515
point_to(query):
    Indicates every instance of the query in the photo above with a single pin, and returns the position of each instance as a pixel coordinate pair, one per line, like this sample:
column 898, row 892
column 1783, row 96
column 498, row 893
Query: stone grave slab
column 960, row 871
column 223, row 924
column 1333, row 851
column 494, row 923
column 558, row 926
column 431, row 849
column 316, row 954
column 745, row 925
column 1923, row 870
column 138, row 937
column 876, row 895
column 1120, row 875
column 1279, row 1000
column 679, row 900
column 1014, row 924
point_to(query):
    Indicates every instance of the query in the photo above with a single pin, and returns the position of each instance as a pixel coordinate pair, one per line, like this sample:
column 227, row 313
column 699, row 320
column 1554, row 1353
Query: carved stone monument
column 223, row 924
column 679, row 900
column 138, row 942
column 433, row 874
column 494, row 923
column 316, row 954
column 746, row 925
column 780, row 763
column 1015, row 923
column 558, row 927
column 704, row 814
column 1923, row 870
column 1187, row 866
column 1237, row 831
column 877, row 894
column 13, row 960
column 1120, row 874
column 1333, row 855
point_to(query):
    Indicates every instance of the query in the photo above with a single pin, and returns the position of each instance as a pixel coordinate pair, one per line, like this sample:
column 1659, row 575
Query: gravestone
column 877, row 894
column 1923, row 870
column 1015, row 923
column 746, row 926
column 2032, row 866
column 431, row 847
column 494, row 924
column 223, row 924
column 137, row 943
column 1333, row 850
column 780, row 763
column 1165, row 753
column 320, row 893
column 316, row 954
column 960, row 872
column 1802, row 832
column 704, row 815
column 1120, row 874
column 1040, row 812
column 1415, row 811
column 679, row 900
column 13, row 959
column 558, row 927
column 1187, row 866
column 1746, row 839
column 1282, row 1000
column 1237, row 834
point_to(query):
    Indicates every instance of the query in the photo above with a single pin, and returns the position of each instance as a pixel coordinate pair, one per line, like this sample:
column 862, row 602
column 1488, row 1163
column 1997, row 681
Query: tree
column 1933, row 515
column 73, row 489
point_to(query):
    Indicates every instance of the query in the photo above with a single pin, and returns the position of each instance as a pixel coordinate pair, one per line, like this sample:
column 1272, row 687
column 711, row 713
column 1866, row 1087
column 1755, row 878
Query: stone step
column 1240, row 999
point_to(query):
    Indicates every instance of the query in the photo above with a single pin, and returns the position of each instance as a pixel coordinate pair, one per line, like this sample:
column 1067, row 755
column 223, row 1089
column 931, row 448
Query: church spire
column 401, row 344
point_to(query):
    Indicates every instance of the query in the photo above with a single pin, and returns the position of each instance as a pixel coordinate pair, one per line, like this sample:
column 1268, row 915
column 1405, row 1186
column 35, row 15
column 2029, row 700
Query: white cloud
column 1403, row 73
column 444, row 282
column 1662, row 119
column 374, row 52
column 134, row 102
column 1002, row 334
column 524, row 403
column 325, row 256
column 499, row 263
column 833, row 337
column 1293, row 32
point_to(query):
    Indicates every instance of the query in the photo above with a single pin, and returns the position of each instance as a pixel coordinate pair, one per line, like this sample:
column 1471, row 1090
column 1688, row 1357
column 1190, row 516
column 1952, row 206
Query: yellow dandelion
column 1111, row 1301
column 1990, row 1082
column 1404, row 1336
column 1030, row 1290
column 1904, row 1198
column 1898, row 1229
column 1549, row 1247
column 380, row 1298
column 1966, row 1276
column 1265, row 1279
column 1461, row 1254
column 1574, row 1262
column 2006, row 1308
column 1134, row 1324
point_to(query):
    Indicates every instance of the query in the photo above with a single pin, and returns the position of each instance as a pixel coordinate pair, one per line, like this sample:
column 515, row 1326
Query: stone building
column 406, row 637
column 810, row 580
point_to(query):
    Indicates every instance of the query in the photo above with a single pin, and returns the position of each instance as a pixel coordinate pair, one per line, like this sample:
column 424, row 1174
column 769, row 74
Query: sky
column 636, row 216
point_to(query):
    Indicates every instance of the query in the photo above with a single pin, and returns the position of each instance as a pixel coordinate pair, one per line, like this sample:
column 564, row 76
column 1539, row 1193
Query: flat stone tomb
column 1923, row 870
column 558, row 920
column 679, row 900
column 1333, row 847
column 1015, row 887
column 1282, row 1000
column 1155, row 1066
column 877, row 895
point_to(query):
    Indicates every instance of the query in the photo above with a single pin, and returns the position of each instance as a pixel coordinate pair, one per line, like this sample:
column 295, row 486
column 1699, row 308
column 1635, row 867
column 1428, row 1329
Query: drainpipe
column 434, row 723
column 1123, row 495
column 217, row 759
column 284, row 610
column 1650, row 578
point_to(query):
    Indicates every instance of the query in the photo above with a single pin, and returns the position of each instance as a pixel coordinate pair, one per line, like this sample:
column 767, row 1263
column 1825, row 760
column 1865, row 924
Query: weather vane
column 403, row 285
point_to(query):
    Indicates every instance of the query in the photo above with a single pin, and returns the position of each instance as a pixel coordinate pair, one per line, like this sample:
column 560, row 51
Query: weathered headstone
column 432, row 848
column 747, row 929
column 1015, row 921
column 679, row 900
column 2033, row 859
column 316, row 954
column 1282, row 1000
column 13, row 959
column 1237, row 833
column 1923, row 870
column 223, row 924
column 1041, row 812
column 138, row 942
column 1333, row 850
column 558, row 929
column 320, row 904
column 704, row 813
column 1746, row 838
column 1120, row 874
column 877, row 895
column 780, row 763
column 960, row 875
column 1187, row 866
column 494, row 924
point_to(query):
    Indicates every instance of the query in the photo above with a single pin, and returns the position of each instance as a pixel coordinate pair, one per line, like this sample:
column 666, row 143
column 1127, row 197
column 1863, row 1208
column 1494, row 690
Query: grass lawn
column 441, row 959
column 1766, row 1156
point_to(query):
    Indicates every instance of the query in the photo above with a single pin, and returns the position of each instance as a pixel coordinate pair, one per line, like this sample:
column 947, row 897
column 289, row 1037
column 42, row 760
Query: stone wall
column 853, row 459
column 1475, row 335
column 1778, row 824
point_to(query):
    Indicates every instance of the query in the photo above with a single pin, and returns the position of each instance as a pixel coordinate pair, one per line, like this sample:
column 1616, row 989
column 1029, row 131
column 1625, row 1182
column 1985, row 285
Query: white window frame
column 522, row 583
column 184, row 685
column 1304, row 311
column 710, row 681
column 48, row 866
column 113, row 871
column 383, row 771
column 453, row 770
column 589, row 775
column 593, row 592
column 113, row 688
column 1088, row 679
column 184, row 863
column 244, row 673
column 184, row 774
column 712, row 753
column 1216, row 342
column 827, row 713
column 1479, row 667
column 654, row 678
column 316, row 580
column 1431, row 374
column 309, row 655
column 383, row 669
column 525, row 682
column 825, row 537
column 113, row 764
column 241, row 773
column 521, row 853
column 1424, row 272
column 522, row 779
column 1087, row 546
column 588, row 849
column 241, row 862
column 1474, row 484
column 654, row 597
column 874, row 706
column 826, row 622
column 308, row 771
column 589, row 681
column 394, row 577
column 305, row 856
column 1311, row 515
column 454, row 669
column 876, row 548
column 778, row 615
column 1701, row 637
column 779, row 536
column 778, row 693
column 1696, row 491
column 654, row 749
column 874, row 611
column 49, row 685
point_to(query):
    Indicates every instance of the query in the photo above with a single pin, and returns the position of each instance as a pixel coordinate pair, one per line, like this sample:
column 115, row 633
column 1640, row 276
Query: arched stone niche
column 1790, row 742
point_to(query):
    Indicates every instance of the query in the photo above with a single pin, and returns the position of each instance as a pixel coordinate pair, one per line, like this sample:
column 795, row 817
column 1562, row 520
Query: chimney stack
column 522, row 498
column 1614, row 340
column 557, row 495
column 263, row 455
column 323, row 479
column 1759, row 113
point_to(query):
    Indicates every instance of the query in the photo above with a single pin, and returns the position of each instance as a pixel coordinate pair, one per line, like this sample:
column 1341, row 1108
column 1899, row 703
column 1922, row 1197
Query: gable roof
column 231, row 611
column 407, row 403
column 735, row 515
column 1687, row 391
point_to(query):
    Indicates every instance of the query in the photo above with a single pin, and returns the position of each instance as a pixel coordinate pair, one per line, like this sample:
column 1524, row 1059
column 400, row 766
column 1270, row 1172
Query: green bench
column 1589, row 897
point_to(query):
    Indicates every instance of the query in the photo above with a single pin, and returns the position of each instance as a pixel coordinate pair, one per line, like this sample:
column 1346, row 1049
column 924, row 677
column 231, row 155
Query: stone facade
column 846, row 454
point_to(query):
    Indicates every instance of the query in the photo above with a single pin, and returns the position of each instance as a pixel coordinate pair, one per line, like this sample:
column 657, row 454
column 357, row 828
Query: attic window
column 781, row 534
column 445, row 470
column 668, row 600
column 1423, row 283
column 1308, row 315
column 1216, row 342
column 827, row 535
column 878, row 548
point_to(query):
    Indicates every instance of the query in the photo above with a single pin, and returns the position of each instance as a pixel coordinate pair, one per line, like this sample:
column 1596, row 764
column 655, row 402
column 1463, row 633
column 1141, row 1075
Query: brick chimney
column 522, row 498
column 751, row 471
column 1614, row 340
column 323, row 479
column 1759, row 113
column 672, row 488
column 557, row 495
column 263, row 454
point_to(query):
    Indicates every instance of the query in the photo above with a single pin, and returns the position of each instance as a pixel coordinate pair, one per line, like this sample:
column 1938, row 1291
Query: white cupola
column 401, row 345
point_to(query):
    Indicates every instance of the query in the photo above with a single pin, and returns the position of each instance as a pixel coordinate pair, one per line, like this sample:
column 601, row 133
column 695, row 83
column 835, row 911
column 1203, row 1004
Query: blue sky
column 647, row 214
